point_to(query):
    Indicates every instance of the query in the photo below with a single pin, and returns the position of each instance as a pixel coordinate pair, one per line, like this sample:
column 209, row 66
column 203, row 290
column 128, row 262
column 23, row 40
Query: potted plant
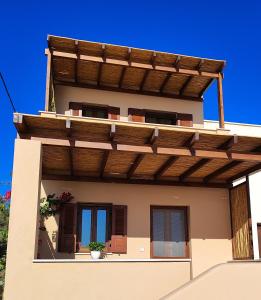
column 96, row 249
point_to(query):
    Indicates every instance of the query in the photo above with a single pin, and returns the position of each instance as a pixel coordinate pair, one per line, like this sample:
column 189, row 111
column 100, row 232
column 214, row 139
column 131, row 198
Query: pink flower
column 7, row 195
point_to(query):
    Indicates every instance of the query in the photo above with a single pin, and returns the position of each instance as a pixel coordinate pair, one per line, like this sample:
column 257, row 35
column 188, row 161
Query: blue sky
column 227, row 30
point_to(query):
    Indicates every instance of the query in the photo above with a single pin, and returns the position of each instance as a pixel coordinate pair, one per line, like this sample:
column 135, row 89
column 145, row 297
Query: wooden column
column 220, row 101
column 48, row 80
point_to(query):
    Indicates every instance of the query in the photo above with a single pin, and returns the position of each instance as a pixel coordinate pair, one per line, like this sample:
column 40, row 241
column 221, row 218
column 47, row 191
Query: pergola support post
column 48, row 80
column 220, row 101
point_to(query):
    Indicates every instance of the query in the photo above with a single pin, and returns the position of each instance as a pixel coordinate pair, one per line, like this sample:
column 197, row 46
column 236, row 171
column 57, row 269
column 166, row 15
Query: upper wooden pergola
column 118, row 68
column 87, row 149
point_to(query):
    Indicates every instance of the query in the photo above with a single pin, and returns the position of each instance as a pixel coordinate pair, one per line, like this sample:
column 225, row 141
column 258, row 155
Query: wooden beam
column 227, row 145
column 151, row 141
column 76, row 43
column 150, row 149
column 101, row 65
column 19, row 123
column 166, row 165
column 68, row 126
column 194, row 168
column 221, row 170
column 165, row 81
column 129, row 91
column 245, row 173
column 106, row 153
column 191, row 142
column 135, row 165
column 200, row 64
column 205, row 87
column 46, row 176
column 137, row 65
column 185, row 85
column 220, row 101
column 154, row 136
column 145, row 76
column 122, row 76
column 48, row 80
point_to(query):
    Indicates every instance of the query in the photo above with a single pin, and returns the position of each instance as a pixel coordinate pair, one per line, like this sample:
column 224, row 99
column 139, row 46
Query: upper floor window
column 161, row 118
column 95, row 112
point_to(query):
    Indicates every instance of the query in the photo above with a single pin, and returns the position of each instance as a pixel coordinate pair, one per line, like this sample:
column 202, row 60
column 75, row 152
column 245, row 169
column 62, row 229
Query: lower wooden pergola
column 85, row 149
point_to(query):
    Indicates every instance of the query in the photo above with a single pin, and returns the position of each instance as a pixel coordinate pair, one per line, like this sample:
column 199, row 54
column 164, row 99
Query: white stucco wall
column 254, row 179
column 255, row 199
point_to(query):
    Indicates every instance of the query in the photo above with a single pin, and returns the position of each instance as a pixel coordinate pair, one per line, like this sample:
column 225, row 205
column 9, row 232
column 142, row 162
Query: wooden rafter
column 151, row 141
column 205, row 87
column 68, row 125
column 229, row 143
column 166, row 165
column 185, row 85
column 106, row 153
column 101, row 65
column 123, row 71
column 191, row 142
column 224, row 146
column 76, row 43
column 245, row 173
column 194, row 168
column 222, row 170
column 145, row 76
column 122, row 76
column 165, row 81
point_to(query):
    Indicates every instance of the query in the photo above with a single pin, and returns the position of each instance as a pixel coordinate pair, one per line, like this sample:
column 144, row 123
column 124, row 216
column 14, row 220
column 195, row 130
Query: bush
column 4, row 217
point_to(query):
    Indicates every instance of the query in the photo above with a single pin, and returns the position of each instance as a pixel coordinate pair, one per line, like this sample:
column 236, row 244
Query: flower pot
column 95, row 254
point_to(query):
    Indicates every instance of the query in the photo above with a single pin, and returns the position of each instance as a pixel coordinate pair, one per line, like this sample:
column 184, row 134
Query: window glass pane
column 158, row 232
column 169, row 238
column 101, row 114
column 101, row 225
column 87, row 113
column 177, row 233
column 86, row 227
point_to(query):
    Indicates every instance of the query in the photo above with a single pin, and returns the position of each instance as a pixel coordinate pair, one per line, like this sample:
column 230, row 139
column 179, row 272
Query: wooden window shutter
column 136, row 115
column 67, row 228
column 119, row 229
column 76, row 108
column 113, row 113
column 185, row 120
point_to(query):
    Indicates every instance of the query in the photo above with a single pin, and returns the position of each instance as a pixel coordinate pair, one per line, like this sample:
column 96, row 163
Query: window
column 95, row 112
column 169, row 235
column 94, row 225
column 161, row 118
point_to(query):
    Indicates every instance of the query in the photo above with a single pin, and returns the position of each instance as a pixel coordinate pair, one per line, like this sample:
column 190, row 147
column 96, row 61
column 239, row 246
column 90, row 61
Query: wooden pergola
column 130, row 70
column 86, row 149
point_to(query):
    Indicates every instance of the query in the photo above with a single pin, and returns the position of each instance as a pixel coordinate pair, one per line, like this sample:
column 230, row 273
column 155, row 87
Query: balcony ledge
column 127, row 260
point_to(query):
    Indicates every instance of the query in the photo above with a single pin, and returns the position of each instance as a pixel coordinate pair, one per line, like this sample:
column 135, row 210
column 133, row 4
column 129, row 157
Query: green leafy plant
column 4, row 218
column 96, row 246
column 50, row 205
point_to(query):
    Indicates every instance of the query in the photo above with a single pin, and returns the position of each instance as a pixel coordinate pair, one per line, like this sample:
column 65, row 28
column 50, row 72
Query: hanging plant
column 51, row 205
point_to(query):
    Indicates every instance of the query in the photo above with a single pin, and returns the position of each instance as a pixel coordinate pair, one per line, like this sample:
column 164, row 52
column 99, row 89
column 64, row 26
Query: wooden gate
column 242, row 244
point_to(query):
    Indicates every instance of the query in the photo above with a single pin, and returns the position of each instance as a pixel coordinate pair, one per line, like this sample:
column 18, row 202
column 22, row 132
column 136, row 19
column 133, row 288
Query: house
column 123, row 131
